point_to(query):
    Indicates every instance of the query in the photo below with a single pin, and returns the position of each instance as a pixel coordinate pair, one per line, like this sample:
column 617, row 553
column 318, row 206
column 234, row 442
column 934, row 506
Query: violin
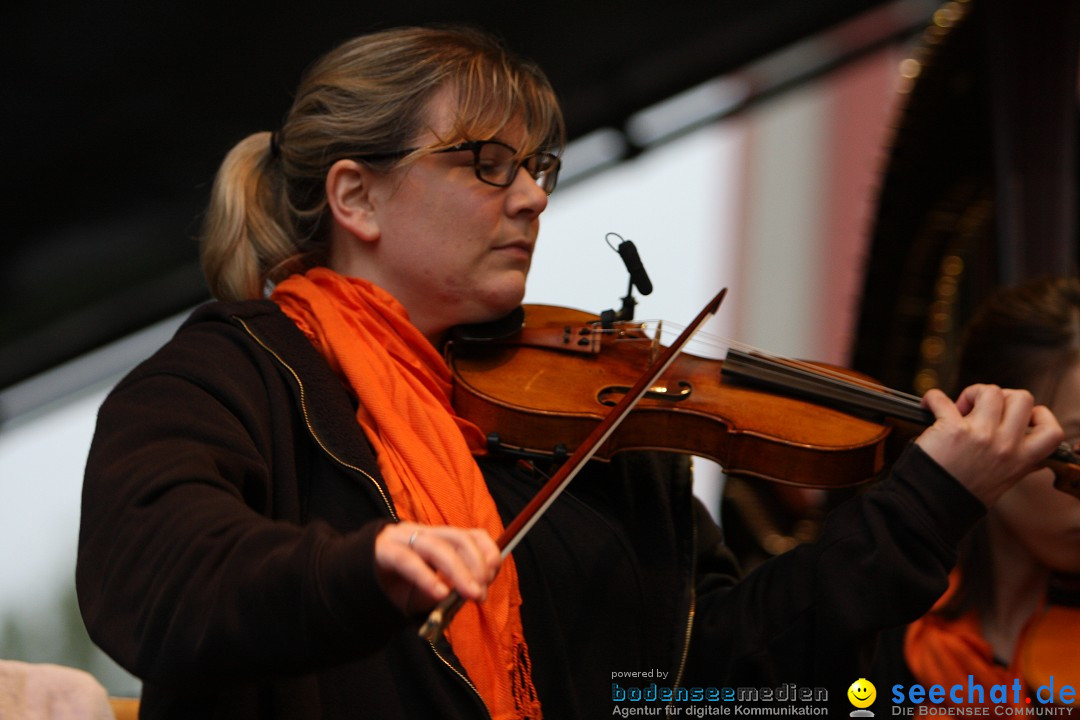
column 589, row 388
column 538, row 388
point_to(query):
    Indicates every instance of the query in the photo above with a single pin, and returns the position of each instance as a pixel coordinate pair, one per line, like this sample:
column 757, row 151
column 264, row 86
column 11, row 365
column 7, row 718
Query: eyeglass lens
column 496, row 164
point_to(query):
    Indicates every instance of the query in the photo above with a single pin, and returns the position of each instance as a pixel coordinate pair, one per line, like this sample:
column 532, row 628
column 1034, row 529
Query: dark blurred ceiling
column 117, row 114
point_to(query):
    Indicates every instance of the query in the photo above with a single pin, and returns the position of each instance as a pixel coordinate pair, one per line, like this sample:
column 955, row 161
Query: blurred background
column 859, row 173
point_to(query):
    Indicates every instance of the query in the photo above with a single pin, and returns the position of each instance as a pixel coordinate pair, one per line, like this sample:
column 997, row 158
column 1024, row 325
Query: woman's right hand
column 418, row 565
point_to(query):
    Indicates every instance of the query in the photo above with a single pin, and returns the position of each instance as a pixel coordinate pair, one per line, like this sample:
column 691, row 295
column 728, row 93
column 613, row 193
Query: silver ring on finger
column 412, row 538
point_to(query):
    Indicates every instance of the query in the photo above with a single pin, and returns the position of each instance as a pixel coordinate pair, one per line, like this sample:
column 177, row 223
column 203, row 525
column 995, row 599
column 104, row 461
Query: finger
column 1016, row 413
column 1042, row 416
column 479, row 552
column 986, row 400
column 491, row 553
column 453, row 555
column 940, row 405
column 403, row 573
column 464, row 545
column 1045, row 433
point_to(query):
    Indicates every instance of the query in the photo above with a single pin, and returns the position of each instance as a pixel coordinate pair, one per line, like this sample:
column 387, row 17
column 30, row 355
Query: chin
column 496, row 312
column 503, row 300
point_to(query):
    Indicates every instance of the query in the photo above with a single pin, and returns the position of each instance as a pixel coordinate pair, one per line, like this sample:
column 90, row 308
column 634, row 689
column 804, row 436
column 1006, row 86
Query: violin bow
column 444, row 612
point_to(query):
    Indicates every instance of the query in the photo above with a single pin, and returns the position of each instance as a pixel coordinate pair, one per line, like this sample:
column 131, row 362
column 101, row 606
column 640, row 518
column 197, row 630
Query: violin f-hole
column 610, row 395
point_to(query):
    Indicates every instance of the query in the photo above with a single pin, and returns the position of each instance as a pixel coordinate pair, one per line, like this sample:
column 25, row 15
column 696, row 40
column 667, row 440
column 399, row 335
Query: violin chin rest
column 500, row 329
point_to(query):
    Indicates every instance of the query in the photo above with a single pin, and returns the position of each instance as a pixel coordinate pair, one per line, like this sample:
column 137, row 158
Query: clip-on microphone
column 638, row 278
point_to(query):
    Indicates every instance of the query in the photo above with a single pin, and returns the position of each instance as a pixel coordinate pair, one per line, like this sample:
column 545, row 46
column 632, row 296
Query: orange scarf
column 425, row 453
column 944, row 652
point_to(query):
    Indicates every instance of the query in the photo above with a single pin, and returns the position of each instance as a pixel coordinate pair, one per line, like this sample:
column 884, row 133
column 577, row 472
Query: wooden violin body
column 549, row 384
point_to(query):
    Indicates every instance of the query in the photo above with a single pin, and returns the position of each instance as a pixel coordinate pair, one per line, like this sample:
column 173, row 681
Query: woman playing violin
column 275, row 500
column 993, row 620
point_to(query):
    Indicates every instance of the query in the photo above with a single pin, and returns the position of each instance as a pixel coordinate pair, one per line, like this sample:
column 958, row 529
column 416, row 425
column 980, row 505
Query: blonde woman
column 275, row 500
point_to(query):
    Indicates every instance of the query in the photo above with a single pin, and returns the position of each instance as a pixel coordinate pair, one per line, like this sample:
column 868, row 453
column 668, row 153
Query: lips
column 522, row 248
column 524, row 245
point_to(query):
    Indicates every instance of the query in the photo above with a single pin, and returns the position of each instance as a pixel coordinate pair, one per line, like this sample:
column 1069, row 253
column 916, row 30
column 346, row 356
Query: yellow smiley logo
column 862, row 693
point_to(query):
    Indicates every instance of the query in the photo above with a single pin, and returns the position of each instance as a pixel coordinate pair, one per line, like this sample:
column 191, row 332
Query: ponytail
column 242, row 237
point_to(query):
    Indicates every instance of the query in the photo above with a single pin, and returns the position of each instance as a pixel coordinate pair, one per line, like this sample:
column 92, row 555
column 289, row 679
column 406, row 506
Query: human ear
column 348, row 193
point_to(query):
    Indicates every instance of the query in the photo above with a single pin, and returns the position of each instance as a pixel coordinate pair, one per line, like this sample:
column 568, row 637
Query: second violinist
column 275, row 500
column 1010, row 611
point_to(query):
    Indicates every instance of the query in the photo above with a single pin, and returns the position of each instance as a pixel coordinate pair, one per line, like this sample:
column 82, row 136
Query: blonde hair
column 267, row 216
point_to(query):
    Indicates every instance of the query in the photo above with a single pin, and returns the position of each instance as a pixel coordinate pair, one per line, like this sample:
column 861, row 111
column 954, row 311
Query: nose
column 524, row 195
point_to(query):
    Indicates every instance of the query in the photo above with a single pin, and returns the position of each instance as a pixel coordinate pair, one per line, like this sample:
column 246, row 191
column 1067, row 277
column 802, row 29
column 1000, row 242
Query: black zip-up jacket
column 226, row 554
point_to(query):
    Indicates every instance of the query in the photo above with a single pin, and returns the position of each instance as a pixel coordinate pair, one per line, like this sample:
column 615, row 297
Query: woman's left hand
column 990, row 438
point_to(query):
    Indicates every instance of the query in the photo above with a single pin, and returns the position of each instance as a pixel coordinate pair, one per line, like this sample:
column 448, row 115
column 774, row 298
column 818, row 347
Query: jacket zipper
column 361, row 471
column 307, row 420
column 462, row 676
column 686, row 637
column 690, row 614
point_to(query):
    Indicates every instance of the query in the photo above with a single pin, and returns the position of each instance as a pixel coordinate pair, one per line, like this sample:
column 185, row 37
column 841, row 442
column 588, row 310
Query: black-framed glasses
column 495, row 163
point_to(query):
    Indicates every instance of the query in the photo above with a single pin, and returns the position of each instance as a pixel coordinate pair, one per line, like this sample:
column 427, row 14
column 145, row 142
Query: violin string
column 804, row 368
